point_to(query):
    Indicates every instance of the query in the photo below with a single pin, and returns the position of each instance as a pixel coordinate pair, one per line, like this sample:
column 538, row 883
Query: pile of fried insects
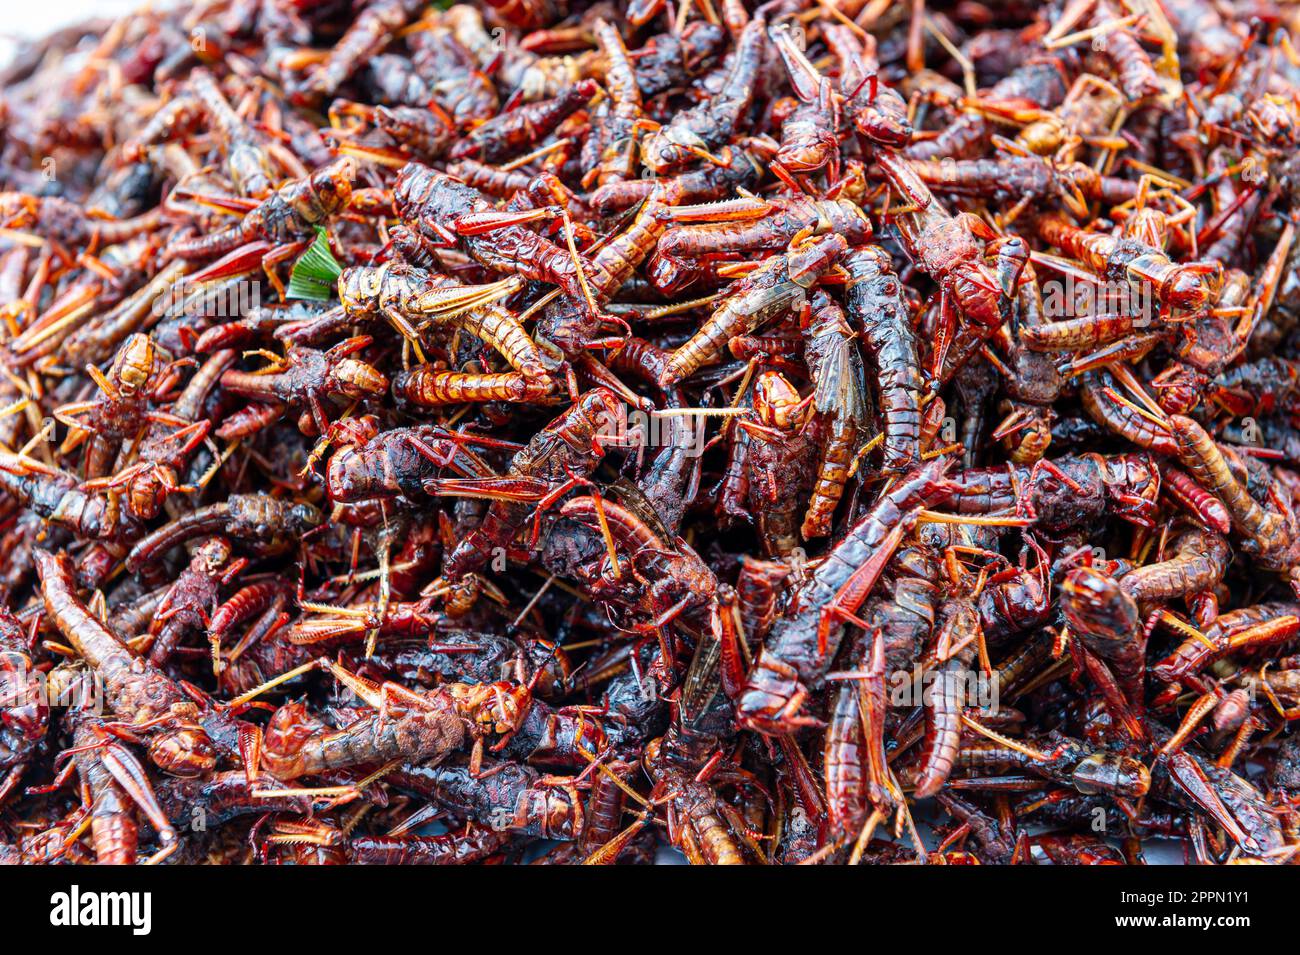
column 823, row 431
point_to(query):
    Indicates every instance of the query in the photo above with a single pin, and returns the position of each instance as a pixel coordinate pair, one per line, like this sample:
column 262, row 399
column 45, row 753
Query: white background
column 27, row 19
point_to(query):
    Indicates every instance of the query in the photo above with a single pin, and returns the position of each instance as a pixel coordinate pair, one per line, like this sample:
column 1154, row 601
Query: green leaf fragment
column 316, row 272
